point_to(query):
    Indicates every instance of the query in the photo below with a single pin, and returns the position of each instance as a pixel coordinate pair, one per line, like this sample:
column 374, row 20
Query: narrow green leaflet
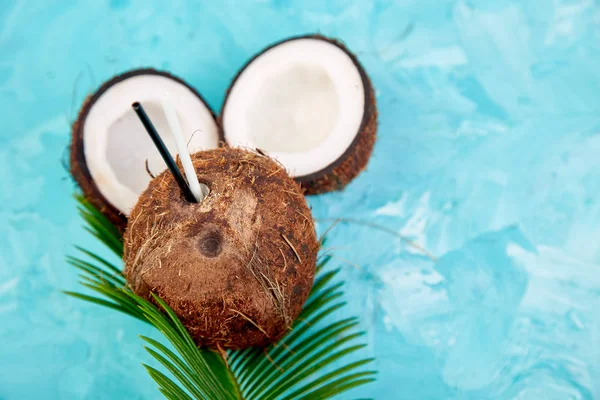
column 300, row 366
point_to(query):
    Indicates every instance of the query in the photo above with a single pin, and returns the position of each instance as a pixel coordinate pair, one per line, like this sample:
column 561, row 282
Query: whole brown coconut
column 237, row 267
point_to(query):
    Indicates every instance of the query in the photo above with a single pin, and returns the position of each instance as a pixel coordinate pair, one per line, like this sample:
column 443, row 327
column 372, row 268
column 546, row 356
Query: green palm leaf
column 300, row 366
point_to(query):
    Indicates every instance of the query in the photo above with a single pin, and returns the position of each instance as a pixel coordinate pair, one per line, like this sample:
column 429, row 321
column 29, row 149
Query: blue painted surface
column 487, row 157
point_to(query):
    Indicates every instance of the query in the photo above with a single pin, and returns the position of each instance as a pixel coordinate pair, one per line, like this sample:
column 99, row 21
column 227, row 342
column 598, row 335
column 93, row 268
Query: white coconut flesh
column 301, row 101
column 116, row 145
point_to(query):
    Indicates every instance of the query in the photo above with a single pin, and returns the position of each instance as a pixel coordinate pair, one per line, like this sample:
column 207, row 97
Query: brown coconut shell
column 78, row 165
column 237, row 267
column 354, row 160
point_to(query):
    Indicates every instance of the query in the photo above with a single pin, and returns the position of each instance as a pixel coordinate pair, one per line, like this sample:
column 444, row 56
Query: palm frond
column 300, row 366
column 99, row 226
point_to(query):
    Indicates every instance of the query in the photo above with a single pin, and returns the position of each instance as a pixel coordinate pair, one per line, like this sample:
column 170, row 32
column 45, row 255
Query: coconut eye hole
column 211, row 243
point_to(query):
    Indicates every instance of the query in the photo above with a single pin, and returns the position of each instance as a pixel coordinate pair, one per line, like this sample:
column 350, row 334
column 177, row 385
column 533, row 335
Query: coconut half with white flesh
column 112, row 156
column 308, row 103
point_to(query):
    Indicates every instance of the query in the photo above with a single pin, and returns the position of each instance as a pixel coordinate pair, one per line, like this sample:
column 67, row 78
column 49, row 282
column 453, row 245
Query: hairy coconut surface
column 237, row 267
column 335, row 172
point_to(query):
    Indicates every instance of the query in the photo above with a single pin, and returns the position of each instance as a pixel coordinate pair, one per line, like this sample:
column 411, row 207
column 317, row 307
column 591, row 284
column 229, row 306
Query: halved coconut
column 308, row 103
column 112, row 157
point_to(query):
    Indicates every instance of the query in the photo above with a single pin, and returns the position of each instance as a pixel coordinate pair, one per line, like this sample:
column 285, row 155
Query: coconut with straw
column 236, row 260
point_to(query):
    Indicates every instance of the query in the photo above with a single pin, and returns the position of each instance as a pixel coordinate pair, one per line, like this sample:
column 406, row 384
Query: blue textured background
column 488, row 157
